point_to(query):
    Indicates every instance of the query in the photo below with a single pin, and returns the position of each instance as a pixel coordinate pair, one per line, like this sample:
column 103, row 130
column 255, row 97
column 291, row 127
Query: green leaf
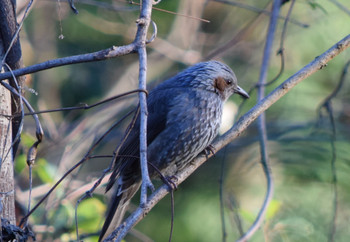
column 27, row 140
column 90, row 214
column 316, row 6
column 44, row 171
column 20, row 163
column 273, row 209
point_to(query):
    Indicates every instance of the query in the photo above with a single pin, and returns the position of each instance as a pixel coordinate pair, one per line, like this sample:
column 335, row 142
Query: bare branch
column 327, row 105
column 221, row 194
column 85, row 106
column 262, row 122
column 105, row 5
column 141, row 38
column 171, row 12
column 281, row 49
column 258, row 10
column 341, row 6
column 86, row 157
column 338, row 88
column 112, row 52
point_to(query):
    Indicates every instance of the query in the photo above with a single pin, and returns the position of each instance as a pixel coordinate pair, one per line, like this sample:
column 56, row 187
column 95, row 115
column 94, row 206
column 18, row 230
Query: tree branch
column 112, row 52
column 262, row 122
column 141, row 39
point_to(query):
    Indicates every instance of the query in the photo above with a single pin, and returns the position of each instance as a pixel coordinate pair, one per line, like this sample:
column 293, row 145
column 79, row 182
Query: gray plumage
column 184, row 117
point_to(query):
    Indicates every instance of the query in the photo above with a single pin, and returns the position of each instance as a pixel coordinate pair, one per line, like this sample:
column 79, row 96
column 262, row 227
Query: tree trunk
column 6, row 171
column 8, row 106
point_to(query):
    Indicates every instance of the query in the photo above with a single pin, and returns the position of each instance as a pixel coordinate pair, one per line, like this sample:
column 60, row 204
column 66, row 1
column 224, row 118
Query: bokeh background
column 299, row 139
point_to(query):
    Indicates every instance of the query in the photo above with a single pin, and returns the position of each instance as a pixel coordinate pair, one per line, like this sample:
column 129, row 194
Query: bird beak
column 241, row 92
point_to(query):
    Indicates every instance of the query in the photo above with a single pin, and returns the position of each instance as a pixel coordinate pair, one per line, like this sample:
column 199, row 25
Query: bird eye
column 229, row 82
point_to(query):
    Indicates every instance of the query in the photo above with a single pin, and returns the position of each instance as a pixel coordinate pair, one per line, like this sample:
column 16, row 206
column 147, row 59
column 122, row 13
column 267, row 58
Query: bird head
column 214, row 76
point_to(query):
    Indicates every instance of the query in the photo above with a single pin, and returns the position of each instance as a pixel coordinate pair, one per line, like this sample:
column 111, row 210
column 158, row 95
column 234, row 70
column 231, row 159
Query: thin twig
column 172, row 205
column 19, row 131
column 104, row 173
column 341, row 6
column 85, row 106
column 327, row 105
column 221, row 194
column 5, row 153
column 171, row 12
column 236, row 217
column 237, row 129
column 14, row 38
column 17, row 87
column 20, row 126
column 258, row 10
column 239, row 36
column 338, row 88
column 105, row 5
column 30, row 191
column 281, row 49
column 39, row 130
column 333, row 226
column 262, row 122
column 85, row 158
column 155, row 32
column 171, row 187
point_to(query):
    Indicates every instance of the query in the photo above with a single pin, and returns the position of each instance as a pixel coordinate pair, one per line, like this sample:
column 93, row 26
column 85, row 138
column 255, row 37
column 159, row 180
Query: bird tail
column 118, row 206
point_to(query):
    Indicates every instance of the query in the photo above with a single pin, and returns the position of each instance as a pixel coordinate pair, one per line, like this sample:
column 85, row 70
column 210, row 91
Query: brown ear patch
column 220, row 84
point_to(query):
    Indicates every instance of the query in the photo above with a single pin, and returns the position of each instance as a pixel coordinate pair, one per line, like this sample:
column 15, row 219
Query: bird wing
column 127, row 161
column 187, row 132
column 127, row 164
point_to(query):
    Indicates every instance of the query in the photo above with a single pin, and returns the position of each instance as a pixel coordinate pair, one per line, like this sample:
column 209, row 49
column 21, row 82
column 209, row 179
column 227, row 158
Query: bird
column 184, row 116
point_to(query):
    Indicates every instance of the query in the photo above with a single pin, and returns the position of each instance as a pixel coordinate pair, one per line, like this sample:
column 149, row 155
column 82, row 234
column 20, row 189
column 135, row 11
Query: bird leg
column 168, row 180
column 209, row 150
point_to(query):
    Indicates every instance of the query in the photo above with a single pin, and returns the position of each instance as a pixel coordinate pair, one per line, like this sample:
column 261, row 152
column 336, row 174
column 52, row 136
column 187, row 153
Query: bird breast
column 197, row 117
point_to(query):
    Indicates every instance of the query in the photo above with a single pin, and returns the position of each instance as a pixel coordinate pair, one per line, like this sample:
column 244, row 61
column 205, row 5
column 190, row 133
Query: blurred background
column 302, row 147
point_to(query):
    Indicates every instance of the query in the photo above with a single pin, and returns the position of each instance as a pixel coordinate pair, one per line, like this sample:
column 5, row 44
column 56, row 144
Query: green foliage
column 90, row 214
column 273, row 209
column 315, row 5
column 27, row 140
column 21, row 163
column 44, row 171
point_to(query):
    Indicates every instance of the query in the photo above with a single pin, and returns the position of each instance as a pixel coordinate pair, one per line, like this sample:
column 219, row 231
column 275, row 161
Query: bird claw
column 209, row 150
column 170, row 182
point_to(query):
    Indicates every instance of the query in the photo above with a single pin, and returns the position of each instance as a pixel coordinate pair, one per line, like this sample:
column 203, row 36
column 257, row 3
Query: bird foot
column 209, row 150
column 170, row 182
